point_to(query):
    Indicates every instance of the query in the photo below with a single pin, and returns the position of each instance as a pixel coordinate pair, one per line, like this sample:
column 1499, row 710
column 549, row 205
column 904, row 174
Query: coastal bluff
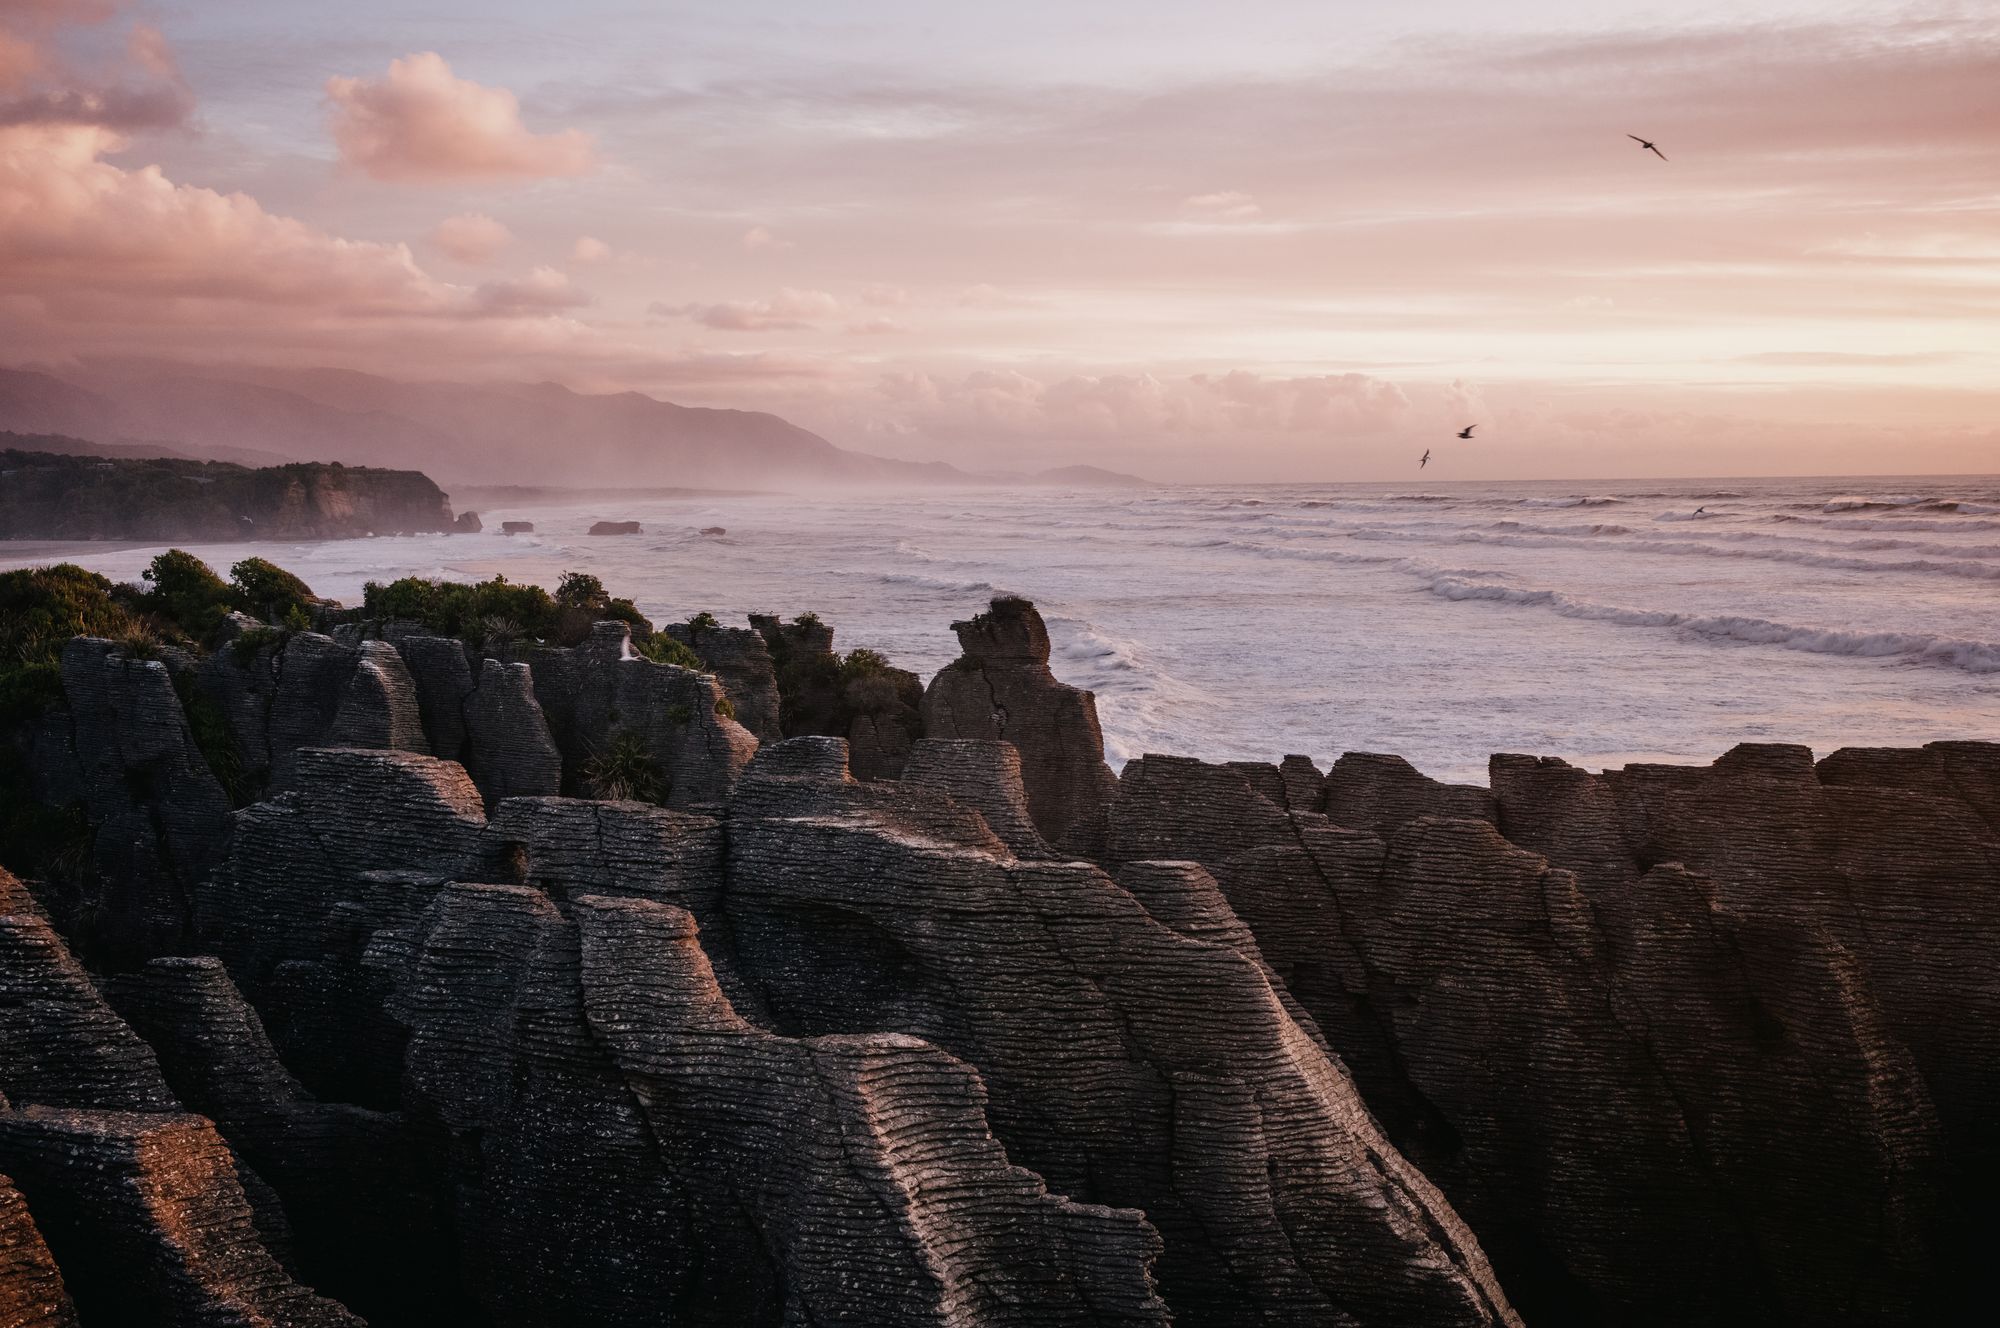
column 58, row 496
column 512, row 983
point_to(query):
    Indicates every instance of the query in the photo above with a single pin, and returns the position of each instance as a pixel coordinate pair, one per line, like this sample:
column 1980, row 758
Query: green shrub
column 579, row 590
column 43, row 607
column 272, row 593
column 703, row 622
column 725, row 707
column 187, row 593
column 663, row 649
column 623, row 770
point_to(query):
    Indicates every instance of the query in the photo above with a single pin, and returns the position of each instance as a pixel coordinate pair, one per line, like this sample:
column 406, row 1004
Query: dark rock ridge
column 45, row 495
column 992, row 1037
column 614, row 528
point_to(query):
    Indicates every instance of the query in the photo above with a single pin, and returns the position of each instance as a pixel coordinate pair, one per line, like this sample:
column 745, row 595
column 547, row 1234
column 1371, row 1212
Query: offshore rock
column 1207, row 1106
column 1001, row 688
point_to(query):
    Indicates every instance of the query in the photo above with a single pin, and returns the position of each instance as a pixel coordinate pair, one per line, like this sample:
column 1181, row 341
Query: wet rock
column 517, row 527
column 614, row 528
column 1001, row 689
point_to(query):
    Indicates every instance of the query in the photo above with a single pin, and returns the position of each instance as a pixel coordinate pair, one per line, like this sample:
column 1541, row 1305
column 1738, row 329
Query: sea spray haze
column 1602, row 622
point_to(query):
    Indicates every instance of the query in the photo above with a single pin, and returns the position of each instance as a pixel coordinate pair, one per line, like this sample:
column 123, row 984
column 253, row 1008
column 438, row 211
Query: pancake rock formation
column 523, row 986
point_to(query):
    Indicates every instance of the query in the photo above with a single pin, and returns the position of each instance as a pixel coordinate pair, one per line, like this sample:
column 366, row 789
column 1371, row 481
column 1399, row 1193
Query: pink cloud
column 1229, row 205
column 589, row 249
column 545, row 290
column 759, row 239
column 472, row 237
column 421, row 123
column 787, row 310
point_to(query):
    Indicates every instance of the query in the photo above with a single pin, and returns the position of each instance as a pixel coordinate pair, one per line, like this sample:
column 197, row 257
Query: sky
column 1266, row 241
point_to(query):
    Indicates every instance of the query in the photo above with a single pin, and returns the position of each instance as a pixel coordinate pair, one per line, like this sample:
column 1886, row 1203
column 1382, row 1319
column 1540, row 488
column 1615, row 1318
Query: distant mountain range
column 459, row 433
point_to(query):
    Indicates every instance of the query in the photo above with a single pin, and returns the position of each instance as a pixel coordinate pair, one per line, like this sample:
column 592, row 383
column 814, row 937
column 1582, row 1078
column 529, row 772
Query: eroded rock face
column 1660, row 1093
column 742, row 661
column 159, row 816
column 1001, row 689
column 306, row 689
column 144, row 1213
column 985, row 776
column 508, row 748
column 31, row 1286
column 1208, row 1106
column 636, row 1143
column 598, row 692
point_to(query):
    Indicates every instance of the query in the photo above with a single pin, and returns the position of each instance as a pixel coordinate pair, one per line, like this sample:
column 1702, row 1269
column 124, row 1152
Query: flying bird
column 1644, row 146
column 1426, row 461
column 1466, row 432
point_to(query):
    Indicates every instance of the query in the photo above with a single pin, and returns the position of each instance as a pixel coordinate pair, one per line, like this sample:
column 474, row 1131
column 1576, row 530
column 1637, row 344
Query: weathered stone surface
column 1370, row 791
column 31, row 1286
column 306, row 689
column 363, row 1224
column 357, row 847
column 1653, row 1106
column 144, row 1215
column 508, row 749
column 985, row 776
column 60, row 1044
column 595, row 693
column 379, row 705
column 442, row 676
column 739, row 657
column 1126, row 1062
column 639, row 1145
column 159, row 816
column 1001, row 689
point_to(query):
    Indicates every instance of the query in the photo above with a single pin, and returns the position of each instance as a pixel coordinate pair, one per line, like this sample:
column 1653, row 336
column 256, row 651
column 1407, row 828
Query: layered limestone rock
column 1657, row 1097
column 740, row 658
column 1001, row 688
column 1126, row 1062
column 629, row 1141
column 158, row 816
column 305, row 689
column 509, row 751
column 598, row 693
column 31, row 1286
column 364, row 1226
column 144, row 1215
column 985, row 776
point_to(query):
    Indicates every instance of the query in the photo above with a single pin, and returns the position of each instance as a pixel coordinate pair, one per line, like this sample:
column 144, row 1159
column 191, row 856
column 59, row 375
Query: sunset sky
column 1254, row 241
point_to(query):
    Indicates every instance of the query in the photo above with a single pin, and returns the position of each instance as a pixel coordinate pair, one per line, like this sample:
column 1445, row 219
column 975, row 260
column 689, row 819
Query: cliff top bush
column 480, row 612
column 824, row 692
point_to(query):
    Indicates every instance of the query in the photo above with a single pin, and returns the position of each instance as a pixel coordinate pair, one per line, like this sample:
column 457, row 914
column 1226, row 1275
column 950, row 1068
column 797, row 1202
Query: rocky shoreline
column 864, row 1005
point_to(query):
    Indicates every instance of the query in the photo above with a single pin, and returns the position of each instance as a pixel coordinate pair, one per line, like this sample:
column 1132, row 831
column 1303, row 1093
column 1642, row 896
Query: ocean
column 1604, row 622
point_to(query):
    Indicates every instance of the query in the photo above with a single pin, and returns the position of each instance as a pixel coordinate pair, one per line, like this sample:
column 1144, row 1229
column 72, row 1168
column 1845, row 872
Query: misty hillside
column 539, row 433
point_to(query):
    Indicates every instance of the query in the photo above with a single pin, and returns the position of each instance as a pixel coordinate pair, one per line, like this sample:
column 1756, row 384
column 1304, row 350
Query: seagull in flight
column 1644, row 146
column 1426, row 461
column 1466, row 432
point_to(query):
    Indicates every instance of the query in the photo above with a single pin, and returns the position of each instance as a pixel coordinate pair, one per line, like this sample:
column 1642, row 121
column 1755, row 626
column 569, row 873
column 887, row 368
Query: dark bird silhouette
column 1426, row 461
column 1699, row 510
column 1644, row 146
column 1466, row 432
